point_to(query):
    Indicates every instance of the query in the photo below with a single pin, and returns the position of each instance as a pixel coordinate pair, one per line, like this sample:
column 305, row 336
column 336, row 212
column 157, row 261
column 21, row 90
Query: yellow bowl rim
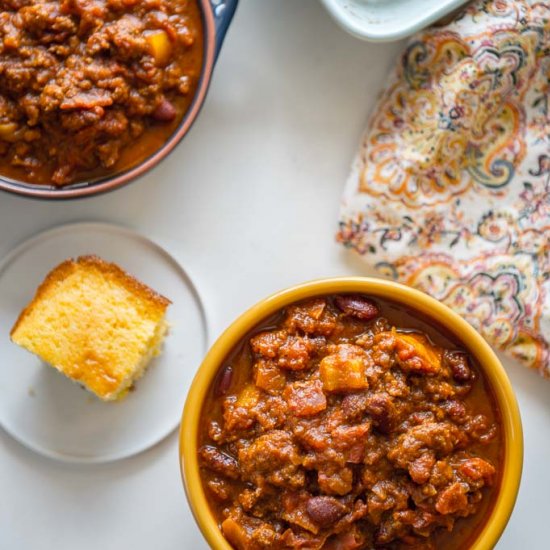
column 390, row 290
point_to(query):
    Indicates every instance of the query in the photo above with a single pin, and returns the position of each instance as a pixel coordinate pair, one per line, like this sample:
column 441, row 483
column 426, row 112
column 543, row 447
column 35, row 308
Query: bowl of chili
column 351, row 413
column 93, row 95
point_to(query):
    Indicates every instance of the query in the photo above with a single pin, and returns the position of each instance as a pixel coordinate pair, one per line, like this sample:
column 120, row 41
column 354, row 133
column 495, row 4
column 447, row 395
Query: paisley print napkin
column 450, row 191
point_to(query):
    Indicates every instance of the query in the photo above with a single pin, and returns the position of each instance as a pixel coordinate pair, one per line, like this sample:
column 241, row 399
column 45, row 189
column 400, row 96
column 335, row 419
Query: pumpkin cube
column 160, row 45
column 345, row 370
column 416, row 354
column 269, row 376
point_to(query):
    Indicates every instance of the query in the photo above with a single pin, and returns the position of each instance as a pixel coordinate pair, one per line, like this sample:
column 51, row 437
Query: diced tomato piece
column 452, row 499
column 248, row 397
column 306, row 398
column 476, row 468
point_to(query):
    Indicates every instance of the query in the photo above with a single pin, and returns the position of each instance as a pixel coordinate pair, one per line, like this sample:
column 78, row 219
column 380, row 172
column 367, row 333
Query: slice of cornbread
column 94, row 323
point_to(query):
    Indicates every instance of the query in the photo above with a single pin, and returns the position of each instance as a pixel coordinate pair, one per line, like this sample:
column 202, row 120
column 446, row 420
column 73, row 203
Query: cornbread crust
column 60, row 273
column 108, row 374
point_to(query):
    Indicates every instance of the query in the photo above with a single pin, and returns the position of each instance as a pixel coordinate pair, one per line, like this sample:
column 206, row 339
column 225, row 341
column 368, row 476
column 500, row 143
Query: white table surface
column 248, row 202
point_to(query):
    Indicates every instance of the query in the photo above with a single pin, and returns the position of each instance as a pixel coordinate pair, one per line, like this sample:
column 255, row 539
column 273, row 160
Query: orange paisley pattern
column 450, row 191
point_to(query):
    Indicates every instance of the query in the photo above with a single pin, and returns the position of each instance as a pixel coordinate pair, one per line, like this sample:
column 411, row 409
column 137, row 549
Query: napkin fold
column 450, row 190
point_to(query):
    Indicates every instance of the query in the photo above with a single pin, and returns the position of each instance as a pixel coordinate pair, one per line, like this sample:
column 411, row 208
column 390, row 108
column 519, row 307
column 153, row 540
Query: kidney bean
column 458, row 363
column 165, row 111
column 357, row 306
column 325, row 511
column 455, row 409
column 382, row 410
column 223, row 381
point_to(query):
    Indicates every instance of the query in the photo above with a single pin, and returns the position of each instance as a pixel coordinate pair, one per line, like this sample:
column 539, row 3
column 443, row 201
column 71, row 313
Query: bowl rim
column 110, row 182
column 372, row 32
column 423, row 303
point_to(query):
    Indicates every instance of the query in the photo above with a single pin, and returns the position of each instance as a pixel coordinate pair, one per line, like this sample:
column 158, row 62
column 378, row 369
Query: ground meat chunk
column 219, row 489
column 267, row 344
column 273, row 457
column 87, row 100
column 351, row 437
column 452, row 499
column 335, row 481
column 46, row 16
column 303, row 539
column 355, row 405
column 346, row 541
column 294, row 353
column 455, row 409
column 240, row 411
column 288, row 351
column 386, row 495
column 476, row 468
column 124, row 35
column 311, row 317
column 269, row 377
column 420, row 469
column 440, row 437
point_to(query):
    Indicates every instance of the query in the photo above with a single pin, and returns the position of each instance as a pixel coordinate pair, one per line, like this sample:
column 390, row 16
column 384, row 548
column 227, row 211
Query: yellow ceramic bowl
column 441, row 314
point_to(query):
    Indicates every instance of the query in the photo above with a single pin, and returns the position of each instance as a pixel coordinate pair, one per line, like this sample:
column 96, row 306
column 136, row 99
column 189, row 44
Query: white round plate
column 54, row 416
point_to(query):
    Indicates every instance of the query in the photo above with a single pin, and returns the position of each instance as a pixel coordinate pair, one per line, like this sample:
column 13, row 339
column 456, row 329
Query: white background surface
column 248, row 202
